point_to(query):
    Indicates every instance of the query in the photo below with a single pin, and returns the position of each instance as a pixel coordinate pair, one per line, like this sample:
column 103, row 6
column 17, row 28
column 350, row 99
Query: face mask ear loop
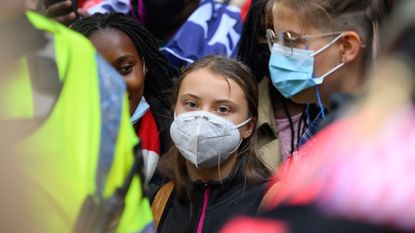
column 332, row 71
column 220, row 176
column 328, row 45
column 236, row 149
column 244, row 123
column 223, row 138
column 320, row 104
column 220, row 155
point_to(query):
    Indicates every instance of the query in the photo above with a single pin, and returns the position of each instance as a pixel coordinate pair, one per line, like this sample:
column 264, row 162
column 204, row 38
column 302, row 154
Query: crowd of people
column 282, row 116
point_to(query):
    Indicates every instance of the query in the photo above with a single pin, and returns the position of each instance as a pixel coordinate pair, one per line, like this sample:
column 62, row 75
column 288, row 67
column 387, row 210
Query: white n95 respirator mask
column 205, row 139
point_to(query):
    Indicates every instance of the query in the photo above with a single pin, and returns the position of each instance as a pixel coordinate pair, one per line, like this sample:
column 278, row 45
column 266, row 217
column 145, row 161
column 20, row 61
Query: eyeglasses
column 287, row 39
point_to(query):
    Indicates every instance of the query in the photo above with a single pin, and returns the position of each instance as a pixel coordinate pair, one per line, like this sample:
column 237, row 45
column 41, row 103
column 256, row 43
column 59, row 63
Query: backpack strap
column 270, row 194
column 160, row 201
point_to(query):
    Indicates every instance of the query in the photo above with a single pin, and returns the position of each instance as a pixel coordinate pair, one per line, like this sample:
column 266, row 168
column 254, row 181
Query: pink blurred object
column 249, row 225
column 357, row 172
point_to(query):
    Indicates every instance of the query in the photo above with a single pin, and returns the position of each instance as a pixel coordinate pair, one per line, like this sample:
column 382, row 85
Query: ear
column 248, row 129
column 351, row 47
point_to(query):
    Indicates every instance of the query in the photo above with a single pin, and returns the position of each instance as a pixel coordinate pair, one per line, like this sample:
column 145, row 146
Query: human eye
column 292, row 40
column 125, row 69
column 222, row 109
column 290, row 43
column 191, row 105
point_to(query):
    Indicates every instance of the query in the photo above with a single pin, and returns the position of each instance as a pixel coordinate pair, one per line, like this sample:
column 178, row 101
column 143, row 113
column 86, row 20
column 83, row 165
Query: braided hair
column 161, row 76
column 251, row 52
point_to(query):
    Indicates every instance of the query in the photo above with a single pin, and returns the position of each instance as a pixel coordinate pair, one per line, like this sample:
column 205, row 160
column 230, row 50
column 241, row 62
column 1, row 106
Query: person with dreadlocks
column 215, row 27
column 134, row 53
column 280, row 119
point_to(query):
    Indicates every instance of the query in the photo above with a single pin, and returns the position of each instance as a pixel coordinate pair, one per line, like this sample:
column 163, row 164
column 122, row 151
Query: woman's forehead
column 288, row 19
column 113, row 41
column 207, row 84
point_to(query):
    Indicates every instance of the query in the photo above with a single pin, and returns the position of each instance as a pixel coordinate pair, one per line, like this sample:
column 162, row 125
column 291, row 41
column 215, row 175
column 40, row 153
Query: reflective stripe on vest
column 44, row 78
column 73, row 147
column 111, row 93
column 65, row 150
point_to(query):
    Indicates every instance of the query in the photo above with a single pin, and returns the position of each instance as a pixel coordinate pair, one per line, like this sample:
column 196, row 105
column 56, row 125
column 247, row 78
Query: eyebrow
column 294, row 34
column 276, row 30
column 216, row 101
column 124, row 58
column 228, row 102
column 190, row 95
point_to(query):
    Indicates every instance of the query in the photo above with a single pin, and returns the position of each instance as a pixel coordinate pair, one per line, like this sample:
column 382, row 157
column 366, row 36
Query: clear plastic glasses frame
column 288, row 41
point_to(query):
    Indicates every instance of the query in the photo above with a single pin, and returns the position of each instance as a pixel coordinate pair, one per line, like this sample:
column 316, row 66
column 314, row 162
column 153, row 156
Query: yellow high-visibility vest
column 84, row 146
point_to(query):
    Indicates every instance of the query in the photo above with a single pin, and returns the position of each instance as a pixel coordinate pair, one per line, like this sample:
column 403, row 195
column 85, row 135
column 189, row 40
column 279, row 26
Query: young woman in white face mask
column 322, row 47
column 214, row 169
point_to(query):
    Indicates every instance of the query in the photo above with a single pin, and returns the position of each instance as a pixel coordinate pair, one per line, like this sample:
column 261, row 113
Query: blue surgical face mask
column 292, row 69
column 139, row 112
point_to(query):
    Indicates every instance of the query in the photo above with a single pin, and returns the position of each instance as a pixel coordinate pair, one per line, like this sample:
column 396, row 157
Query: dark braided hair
column 161, row 76
column 251, row 51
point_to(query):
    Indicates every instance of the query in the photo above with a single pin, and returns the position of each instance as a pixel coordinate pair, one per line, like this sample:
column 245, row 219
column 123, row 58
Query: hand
column 61, row 11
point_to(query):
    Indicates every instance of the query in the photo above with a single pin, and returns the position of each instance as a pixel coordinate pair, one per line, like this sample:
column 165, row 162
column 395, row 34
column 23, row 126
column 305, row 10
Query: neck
column 214, row 173
column 353, row 76
column 277, row 101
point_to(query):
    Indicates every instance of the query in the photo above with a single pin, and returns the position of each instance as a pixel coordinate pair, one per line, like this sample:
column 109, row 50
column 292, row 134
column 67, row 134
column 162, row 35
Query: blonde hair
column 362, row 16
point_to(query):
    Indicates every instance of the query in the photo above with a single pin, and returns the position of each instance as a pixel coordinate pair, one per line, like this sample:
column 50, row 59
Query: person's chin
column 133, row 104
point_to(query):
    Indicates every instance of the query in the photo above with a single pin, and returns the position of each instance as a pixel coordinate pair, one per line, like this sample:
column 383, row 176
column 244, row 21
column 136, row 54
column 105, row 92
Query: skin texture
column 201, row 90
column 10, row 9
column 348, row 49
column 119, row 50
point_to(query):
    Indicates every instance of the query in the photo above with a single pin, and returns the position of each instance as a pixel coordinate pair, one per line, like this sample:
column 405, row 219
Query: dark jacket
column 214, row 203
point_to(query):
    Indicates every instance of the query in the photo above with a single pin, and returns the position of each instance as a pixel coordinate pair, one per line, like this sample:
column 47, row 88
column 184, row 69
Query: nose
column 207, row 108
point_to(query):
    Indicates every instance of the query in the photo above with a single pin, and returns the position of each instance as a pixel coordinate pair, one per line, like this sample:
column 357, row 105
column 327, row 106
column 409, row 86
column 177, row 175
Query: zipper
column 203, row 214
